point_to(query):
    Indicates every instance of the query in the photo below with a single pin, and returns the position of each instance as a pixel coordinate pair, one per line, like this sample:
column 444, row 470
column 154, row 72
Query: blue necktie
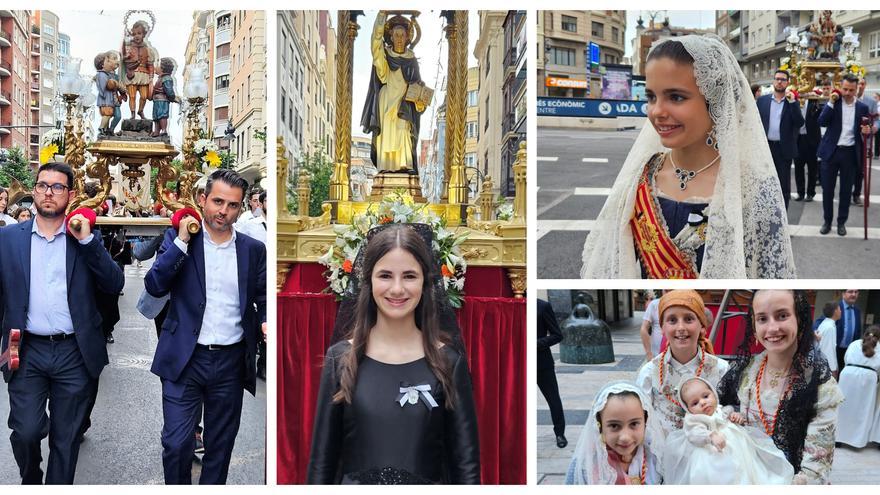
column 849, row 327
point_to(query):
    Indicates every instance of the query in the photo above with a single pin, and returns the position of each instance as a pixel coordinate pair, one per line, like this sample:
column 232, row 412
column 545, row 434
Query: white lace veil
column 747, row 234
column 589, row 464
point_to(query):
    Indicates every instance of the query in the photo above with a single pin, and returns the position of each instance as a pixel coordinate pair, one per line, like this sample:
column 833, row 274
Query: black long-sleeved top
column 549, row 334
column 375, row 440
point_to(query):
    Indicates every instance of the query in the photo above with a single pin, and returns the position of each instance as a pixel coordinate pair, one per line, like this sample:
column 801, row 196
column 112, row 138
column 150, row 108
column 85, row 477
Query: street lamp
column 229, row 134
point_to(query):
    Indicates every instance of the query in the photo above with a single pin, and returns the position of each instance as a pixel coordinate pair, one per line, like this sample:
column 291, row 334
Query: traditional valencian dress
column 812, row 459
column 740, row 232
column 595, row 464
column 659, row 378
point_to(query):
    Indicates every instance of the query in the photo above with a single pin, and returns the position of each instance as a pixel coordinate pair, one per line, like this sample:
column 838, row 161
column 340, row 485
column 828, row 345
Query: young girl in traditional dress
column 684, row 323
column 858, row 383
column 713, row 450
column 787, row 390
column 614, row 446
column 698, row 194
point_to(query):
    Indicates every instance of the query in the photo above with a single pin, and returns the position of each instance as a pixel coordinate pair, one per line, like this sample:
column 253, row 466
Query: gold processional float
column 490, row 242
column 817, row 61
column 135, row 149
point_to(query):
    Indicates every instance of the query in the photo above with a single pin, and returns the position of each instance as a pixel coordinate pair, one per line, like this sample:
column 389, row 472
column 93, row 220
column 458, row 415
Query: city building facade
column 247, row 92
column 489, row 51
column 472, row 130
column 563, row 43
column 18, row 54
column 650, row 34
column 513, row 124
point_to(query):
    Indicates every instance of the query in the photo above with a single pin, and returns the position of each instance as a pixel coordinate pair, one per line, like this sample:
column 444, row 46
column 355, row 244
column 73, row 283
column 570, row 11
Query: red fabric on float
column 494, row 335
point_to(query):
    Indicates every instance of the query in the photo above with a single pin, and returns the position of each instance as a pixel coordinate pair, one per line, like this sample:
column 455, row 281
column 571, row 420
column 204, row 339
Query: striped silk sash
column 660, row 257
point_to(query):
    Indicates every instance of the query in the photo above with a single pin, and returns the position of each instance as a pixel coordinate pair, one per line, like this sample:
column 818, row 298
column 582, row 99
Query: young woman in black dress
column 395, row 405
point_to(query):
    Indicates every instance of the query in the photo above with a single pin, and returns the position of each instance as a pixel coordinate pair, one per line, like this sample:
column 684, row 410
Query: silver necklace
column 684, row 175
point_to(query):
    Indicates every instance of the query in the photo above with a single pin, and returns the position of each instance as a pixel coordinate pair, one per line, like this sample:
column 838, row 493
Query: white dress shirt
column 255, row 227
column 221, row 323
column 828, row 341
column 847, row 135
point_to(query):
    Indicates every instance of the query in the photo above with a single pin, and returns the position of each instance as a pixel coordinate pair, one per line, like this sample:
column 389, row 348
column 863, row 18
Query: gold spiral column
column 348, row 28
column 455, row 179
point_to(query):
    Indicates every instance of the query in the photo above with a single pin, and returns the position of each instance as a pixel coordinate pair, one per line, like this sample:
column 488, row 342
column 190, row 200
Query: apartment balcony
column 6, row 13
column 221, row 66
column 5, row 39
column 35, row 104
column 222, row 35
column 35, row 50
column 734, row 34
column 35, row 69
column 35, row 87
column 5, row 98
column 221, row 99
column 35, row 31
column 5, row 131
column 5, row 69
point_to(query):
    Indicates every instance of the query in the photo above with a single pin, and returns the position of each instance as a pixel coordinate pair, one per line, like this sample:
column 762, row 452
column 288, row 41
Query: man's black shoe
column 561, row 441
column 826, row 228
column 809, row 198
column 857, row 200
column 799, row 198
column 841, row 230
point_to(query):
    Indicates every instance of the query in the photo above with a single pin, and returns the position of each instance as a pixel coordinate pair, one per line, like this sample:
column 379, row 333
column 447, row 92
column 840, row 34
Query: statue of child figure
column 163, row 94
column 110, row 92
column 139, row 59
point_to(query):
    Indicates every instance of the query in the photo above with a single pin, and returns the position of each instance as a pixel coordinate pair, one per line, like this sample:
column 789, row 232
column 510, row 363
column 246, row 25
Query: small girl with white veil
column 712, row 448
column 614, row 446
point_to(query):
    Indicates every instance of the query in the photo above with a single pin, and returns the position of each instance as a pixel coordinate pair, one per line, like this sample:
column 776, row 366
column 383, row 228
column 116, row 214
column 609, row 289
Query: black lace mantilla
column 385, row 476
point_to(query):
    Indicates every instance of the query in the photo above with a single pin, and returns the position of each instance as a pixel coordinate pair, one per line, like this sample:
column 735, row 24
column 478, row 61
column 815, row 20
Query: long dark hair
column 365, row 313
column 809, row 370
column 6, row 192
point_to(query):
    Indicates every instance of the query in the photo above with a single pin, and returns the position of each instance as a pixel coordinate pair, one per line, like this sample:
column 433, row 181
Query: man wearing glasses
column 782, row 119
column 48, row 278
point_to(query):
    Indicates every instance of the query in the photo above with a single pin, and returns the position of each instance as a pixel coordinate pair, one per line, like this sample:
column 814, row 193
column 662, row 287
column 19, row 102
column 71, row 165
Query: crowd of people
column 768, row 417
column 211, row 279
column 827, row 142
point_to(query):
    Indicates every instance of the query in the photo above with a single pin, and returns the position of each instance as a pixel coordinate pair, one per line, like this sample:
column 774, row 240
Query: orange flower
column 346, row 267
column 385, row 220
column 445, row 271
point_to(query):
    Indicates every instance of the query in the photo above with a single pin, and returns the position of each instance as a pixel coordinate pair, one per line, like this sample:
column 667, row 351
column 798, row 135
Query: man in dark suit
column 841, row 150
column 549, row 335
column 216, row 316
column 48, row 280
column 808, row 144
column 782, row 119
column 849, row 326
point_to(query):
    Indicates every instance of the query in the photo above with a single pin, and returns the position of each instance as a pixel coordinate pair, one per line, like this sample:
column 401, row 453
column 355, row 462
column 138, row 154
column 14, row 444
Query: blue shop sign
column 586, row 107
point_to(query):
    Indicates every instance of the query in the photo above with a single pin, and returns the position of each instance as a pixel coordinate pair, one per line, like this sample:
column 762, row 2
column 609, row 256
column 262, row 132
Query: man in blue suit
column 841, row 150
column 48, row 280
column 782, row 121
column 216, row 316
column 849, row 326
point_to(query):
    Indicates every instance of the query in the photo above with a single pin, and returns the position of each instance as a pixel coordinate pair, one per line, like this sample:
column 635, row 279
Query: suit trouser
column 843, row 162
column 53, row 372
column 214, row 379
column 550, row 389
column 783, row 170
column 806, row 156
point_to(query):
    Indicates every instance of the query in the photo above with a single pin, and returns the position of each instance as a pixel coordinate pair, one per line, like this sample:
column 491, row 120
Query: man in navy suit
column 216, row 316
column 48, row 280
column 841, row 150
column 782, row 121
column 808, row 142
column 849, row 326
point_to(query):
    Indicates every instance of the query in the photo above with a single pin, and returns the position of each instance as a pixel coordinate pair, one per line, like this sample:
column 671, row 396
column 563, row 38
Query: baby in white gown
column 710, row 449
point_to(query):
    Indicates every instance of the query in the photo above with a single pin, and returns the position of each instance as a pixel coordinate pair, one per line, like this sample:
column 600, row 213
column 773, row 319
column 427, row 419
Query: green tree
column 154, row 171
column 319, row 165
column 14, row 165
column 228, row 159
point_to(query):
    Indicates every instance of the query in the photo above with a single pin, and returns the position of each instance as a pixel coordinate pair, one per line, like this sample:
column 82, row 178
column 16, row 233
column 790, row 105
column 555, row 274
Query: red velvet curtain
column 494, row 335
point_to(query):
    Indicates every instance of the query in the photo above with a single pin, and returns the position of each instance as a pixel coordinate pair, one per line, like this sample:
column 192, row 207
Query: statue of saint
column 396, row 97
